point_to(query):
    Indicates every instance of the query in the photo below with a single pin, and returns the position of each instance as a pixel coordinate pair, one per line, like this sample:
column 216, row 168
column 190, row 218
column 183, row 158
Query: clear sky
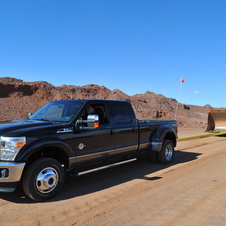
column 131, row 45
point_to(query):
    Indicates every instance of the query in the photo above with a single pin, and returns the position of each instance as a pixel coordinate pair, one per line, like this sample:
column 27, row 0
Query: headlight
column 10, row 146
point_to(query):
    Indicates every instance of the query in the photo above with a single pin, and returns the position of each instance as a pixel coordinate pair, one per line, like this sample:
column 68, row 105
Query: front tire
column 167, row 152
column 43, row 179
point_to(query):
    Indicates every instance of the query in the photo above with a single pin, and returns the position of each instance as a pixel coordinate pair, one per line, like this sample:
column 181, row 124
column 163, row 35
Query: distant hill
column 18, row 98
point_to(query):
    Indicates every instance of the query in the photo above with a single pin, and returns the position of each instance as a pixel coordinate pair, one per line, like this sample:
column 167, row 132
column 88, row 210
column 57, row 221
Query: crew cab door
column 126, row 129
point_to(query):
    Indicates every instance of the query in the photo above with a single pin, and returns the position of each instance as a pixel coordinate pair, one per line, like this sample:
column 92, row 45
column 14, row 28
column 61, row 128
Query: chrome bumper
column 11, row 172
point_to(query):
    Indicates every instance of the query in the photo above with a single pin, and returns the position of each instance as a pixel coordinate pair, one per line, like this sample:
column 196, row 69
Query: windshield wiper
column 44, row 119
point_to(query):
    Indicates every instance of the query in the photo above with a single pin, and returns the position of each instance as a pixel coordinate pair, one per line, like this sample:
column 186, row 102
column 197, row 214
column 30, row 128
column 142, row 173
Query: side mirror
column 29, row 115
column 91, row 123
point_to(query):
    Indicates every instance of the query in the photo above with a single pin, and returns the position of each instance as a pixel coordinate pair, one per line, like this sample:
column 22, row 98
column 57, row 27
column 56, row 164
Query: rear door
column 126, row 130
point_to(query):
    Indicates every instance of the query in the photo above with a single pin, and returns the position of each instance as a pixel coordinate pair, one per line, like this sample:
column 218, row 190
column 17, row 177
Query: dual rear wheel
column 166, row 154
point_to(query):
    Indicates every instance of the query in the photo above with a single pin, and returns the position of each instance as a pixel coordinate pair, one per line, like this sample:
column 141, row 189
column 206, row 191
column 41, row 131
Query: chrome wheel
column 169, row 152
column 47, row 180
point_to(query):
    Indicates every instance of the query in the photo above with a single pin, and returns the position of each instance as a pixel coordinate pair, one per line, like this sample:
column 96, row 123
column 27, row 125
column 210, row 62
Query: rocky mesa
column 18, row 98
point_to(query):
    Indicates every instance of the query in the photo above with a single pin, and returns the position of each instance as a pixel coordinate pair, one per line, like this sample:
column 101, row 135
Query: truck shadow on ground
column 103, row 179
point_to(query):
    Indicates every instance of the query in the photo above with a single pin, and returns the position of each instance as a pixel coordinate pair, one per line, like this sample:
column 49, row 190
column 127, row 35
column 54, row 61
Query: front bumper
column 10, row 174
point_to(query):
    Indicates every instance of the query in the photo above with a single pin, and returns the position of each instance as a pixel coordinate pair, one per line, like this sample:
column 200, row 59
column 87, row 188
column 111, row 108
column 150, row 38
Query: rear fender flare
column 160, row 134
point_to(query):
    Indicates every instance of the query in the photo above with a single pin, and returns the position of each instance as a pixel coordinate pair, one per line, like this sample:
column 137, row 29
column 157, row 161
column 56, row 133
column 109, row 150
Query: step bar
column 105, row 167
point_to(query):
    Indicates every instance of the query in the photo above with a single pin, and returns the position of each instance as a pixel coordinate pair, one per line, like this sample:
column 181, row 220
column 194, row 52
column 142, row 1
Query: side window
column 98, row 109
column 122, row 114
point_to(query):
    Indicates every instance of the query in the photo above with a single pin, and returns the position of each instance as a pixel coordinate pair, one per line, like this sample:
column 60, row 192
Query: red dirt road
column 190, row 191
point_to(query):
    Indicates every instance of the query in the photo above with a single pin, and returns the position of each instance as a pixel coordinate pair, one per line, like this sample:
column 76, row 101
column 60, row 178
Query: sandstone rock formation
column 18, row 98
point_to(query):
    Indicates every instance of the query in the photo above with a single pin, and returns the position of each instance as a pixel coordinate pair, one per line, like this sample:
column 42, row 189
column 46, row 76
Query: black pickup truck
column 61, row 137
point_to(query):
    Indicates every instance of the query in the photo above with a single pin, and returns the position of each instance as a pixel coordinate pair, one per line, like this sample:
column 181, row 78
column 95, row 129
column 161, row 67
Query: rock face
column 18, row 98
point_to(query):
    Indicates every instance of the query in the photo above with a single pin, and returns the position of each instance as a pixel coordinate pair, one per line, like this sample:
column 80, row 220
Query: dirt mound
column 18, row 98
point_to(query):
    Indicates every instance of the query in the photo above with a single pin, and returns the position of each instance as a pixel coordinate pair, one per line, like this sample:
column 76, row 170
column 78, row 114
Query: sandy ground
column 190, row 191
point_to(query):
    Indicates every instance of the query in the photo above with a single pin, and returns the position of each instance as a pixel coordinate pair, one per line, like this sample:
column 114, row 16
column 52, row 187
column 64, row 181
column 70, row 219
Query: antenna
column 181, row 81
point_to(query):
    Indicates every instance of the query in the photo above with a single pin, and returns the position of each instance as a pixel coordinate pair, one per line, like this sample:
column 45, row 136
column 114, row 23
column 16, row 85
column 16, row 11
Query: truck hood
column 28, row 127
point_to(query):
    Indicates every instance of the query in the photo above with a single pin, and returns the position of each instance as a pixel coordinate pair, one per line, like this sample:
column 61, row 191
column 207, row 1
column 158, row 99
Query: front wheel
column 167, row 152
column 43, row 179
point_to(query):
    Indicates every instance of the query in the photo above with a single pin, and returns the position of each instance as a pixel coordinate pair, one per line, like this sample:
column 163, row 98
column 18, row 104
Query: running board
column 105, row 167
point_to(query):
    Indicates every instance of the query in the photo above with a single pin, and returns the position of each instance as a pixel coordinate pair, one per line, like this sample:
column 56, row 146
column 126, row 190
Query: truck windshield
column 57, row 111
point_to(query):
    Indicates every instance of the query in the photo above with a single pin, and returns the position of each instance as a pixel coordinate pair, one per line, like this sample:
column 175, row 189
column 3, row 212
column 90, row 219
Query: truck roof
column 93, row 99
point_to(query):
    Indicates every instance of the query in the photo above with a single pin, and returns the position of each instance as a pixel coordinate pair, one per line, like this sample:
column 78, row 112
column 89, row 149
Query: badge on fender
column 81, row 146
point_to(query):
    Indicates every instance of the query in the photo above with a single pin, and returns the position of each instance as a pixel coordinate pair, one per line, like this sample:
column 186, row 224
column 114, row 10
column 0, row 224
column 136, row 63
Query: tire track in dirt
column 189, row 198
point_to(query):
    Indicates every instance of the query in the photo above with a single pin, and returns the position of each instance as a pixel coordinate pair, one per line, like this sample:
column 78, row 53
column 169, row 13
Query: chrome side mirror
column 91, row 123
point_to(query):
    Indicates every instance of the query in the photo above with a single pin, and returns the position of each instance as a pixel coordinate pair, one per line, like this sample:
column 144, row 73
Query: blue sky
column 131, row 45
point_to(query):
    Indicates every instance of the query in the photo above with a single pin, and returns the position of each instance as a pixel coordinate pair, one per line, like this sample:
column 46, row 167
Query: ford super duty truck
column 62, row 137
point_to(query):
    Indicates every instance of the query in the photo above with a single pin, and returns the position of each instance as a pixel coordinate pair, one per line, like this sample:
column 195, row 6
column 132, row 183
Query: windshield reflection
column 57, row 111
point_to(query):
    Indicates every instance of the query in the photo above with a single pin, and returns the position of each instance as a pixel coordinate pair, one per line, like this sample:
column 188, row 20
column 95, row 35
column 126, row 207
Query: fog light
column 4, row 173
